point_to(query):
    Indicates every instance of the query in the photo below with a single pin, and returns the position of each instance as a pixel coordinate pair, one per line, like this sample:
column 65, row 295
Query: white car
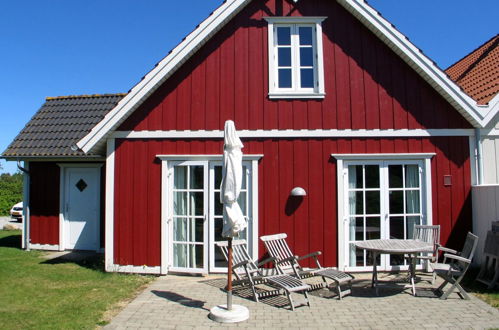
column 16, row 212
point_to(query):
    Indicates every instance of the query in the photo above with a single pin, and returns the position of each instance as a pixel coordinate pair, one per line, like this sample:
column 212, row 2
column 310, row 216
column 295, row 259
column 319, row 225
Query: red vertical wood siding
column 44, row 203
column 311, row 223
column 367, row 85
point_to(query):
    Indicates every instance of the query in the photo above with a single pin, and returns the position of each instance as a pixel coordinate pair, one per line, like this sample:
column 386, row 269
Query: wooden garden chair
column 247, row 273
column 288, row 263
column 454, row 266
column 429, row 234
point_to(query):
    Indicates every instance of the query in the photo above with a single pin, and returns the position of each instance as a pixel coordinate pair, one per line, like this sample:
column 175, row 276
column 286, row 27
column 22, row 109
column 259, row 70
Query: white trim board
column 478, row 116
column 109, row 207
column 133, row 269
column 204, row 157
column 401, row 156
column 319, row 133
column 47, row 247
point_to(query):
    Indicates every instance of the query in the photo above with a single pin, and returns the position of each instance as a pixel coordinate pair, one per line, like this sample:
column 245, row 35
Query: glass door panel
column 188, row 218
column 364, row 207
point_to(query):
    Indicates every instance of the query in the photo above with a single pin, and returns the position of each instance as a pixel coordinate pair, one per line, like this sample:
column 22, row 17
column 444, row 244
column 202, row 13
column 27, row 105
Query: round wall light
column 298, row 191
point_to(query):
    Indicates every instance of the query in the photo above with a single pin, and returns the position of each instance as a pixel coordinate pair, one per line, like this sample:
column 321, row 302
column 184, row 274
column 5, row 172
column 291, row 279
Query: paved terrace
column 183, row 302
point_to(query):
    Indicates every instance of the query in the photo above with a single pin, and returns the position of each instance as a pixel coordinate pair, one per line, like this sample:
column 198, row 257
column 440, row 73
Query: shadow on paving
column 177, row 298
column 87, row 259
column 11, row 241
column 390, row 285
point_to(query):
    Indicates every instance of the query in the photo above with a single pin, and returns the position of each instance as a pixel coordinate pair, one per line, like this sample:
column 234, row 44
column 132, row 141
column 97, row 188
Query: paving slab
column 184, row 302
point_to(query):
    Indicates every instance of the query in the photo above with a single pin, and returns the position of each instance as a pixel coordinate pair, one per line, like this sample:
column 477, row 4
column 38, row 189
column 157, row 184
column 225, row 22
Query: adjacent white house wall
column 485, row 211
column 490, row 155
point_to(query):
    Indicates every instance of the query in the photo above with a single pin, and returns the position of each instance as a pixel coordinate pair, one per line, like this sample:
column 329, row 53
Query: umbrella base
column 221, row 314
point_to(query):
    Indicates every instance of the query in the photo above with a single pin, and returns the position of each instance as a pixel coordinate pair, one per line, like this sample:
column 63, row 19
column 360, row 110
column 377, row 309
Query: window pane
column 356, row 202
column 397, row 227
column 306, row 56
column 305, row 35
column 243, row 181
column 218, row 177
column 242, row 202
column 218, row 206
column 396, row 202
column 179, row 255
column 197, row 177
column 359, row 229
column 196, row 252
column 355, row 176
column 284, row 78
column 372, row 176
column 412, row 201
column 307, row 78
column 197, row 203
column 180, row 229
column 372, row 202
column 219, row 224
column 198, row 232
column 411, row 222
column 284, row 56
column 412, row 176
column 180, row 203
column 284, row 35
column 395, row 174
column 373, row 228
column 180, row 181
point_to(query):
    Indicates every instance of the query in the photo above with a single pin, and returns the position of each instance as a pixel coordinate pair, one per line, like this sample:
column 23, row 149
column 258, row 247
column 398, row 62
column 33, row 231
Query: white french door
column 188, row 230
column 195, row 219
column 383, row 200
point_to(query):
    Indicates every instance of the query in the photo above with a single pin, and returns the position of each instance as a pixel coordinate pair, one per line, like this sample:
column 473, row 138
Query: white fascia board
column 477, row 116
column 333, row 133
column 400, row 156
column 161, row 72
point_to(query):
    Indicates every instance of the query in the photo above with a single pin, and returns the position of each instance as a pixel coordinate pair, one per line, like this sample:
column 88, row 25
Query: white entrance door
column 82, row 208
column 385, row 201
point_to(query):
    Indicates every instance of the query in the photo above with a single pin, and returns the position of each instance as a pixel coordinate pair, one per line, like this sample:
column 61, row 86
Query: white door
column 82, row 208
column 385, row 201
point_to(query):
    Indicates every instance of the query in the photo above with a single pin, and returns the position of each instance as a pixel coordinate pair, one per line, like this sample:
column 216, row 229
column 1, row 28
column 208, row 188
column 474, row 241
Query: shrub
column 11, row 191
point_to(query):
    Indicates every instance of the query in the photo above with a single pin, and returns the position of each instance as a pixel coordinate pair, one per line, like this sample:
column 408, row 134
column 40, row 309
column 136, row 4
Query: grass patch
column 39, row 293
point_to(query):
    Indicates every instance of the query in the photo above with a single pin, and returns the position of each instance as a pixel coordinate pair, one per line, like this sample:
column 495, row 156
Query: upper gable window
column 295, row 57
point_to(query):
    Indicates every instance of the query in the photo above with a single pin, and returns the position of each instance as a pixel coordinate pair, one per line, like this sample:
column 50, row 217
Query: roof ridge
column 50, row 98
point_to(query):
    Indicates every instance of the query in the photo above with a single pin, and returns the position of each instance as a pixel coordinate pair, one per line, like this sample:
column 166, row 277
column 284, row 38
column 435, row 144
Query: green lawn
column 39, row 293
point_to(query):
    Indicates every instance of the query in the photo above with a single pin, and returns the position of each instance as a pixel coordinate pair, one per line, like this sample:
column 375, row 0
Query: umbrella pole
column 229, row 275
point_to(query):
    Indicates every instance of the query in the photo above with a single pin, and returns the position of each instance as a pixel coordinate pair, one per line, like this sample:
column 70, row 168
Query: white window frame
column 296, row 92
column 343, row 160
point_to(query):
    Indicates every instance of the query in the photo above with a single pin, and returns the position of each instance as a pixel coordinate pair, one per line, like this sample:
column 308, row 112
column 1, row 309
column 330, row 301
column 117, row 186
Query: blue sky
column 69, row 47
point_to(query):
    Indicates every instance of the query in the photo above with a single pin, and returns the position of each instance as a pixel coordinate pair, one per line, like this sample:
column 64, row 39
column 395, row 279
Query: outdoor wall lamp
column 298, row 191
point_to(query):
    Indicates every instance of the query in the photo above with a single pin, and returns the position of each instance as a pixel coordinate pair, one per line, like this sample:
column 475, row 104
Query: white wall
column 490, row 156
column 485, row 211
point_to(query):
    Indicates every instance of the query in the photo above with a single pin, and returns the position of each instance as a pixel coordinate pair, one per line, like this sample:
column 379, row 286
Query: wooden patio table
column 411, row 247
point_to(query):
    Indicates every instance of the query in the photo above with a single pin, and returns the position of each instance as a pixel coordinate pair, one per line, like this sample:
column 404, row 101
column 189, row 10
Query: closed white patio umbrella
column 234, row 220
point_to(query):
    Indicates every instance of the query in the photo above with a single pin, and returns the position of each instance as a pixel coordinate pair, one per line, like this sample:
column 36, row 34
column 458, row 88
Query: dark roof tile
column 60, row 123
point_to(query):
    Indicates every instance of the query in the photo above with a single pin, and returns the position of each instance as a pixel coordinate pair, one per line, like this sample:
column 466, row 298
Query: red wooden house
column 326, row 95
